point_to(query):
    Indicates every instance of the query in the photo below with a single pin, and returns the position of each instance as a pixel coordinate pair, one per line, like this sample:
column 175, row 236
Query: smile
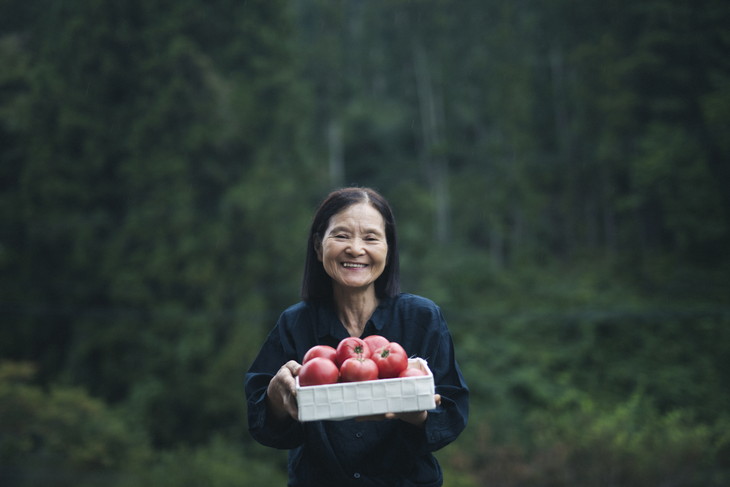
column 352, row 265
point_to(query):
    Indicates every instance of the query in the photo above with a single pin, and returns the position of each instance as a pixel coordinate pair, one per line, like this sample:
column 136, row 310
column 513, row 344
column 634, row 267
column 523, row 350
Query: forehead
column 361, row 216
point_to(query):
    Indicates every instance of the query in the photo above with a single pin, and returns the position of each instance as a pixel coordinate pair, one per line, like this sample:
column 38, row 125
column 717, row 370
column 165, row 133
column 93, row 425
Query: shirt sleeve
column 444, row 423
column 275, row 352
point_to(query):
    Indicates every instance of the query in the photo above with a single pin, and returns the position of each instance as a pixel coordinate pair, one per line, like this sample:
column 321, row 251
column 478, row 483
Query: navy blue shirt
column 361, row 453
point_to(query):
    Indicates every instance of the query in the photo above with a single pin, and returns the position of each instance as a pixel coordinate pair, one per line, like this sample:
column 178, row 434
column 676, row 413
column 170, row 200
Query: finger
column 293, row 367
column 437, row 399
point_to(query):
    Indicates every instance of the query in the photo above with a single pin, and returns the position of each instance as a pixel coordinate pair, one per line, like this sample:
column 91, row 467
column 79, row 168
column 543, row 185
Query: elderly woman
column 351, row 288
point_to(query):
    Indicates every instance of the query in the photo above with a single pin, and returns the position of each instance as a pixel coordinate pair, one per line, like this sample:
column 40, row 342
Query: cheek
column 325, row 256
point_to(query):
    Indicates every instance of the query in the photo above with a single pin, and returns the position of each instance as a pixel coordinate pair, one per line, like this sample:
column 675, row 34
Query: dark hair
column 316, row 283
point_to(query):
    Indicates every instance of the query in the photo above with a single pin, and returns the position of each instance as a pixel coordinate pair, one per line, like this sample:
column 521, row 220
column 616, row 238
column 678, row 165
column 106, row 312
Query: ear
column 317, row 246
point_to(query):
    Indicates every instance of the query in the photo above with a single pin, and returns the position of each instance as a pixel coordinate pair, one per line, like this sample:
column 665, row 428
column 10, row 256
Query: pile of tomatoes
column 355, row 359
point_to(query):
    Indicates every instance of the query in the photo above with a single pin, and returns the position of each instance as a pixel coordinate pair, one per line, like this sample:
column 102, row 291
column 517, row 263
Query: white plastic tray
column 352, row 399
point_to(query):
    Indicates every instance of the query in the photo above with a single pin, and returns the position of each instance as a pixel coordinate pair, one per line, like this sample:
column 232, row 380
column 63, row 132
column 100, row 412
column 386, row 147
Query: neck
column 354, row 308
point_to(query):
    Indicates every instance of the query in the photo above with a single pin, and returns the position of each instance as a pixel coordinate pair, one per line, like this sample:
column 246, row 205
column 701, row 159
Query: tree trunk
column 336, row 153
column 436, row 166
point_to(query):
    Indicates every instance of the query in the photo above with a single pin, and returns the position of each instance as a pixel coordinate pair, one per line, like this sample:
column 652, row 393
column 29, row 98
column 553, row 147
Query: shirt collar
column 378, row 319
column 328, row 324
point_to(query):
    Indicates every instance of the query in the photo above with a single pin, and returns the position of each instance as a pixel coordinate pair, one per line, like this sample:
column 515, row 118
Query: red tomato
column 320, row 351
column 358, row 369
column 375, row 342
column 412, row 372
column 391, row 360
column 351, row 347
column 318, row 371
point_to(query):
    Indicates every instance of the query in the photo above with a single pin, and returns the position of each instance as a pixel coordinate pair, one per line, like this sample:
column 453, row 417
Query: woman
column 351, row 288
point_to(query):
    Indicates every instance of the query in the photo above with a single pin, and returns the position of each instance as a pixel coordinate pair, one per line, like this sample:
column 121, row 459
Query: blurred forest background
column 559, row 171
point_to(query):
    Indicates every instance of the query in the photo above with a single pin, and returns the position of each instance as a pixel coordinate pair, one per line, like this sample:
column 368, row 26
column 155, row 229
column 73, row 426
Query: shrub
column 60, row 436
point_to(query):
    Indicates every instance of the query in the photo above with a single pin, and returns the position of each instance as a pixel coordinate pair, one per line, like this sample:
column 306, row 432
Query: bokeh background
column 560, row 173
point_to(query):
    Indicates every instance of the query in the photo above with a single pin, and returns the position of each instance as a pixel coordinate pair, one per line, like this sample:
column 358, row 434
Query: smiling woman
column 317, row 283
column 351, row 289
column 354, row 250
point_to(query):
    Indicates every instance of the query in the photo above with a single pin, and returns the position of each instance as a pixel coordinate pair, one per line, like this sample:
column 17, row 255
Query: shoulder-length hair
column 316, row 283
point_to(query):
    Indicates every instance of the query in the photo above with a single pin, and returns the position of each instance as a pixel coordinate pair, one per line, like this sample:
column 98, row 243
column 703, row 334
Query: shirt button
column 358, row 435
column 356, row 475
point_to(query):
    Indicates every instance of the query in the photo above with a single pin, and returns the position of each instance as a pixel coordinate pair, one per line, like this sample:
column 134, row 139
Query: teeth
column 349, row 264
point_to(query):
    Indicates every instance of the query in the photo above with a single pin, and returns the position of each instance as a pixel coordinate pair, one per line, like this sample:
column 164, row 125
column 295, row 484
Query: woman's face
column 354, row 248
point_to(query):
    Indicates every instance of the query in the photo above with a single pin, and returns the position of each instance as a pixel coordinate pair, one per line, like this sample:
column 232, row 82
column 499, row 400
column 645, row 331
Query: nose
column 356, row 247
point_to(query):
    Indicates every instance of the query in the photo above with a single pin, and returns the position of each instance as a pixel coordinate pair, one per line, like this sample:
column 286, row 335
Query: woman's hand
column 416, row 418
column 281, row 395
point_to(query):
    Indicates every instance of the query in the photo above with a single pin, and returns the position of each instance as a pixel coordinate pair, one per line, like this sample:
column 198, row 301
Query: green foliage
column 578, row 441
column 153, row 166
column 552, row 366
column 52, row 437
column 631, row 443
column 671, row 166
column 217, row 464
column 63, row 437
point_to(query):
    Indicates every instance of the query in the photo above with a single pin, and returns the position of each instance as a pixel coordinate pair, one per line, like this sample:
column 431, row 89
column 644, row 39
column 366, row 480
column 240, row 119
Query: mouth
column 353, row 265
